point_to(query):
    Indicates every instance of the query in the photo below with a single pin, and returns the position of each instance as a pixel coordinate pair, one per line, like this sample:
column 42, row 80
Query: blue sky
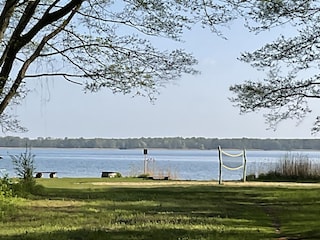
column 194, row 106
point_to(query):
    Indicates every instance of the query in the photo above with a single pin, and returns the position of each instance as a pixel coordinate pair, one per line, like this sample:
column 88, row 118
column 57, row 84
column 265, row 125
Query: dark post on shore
column 145, row 152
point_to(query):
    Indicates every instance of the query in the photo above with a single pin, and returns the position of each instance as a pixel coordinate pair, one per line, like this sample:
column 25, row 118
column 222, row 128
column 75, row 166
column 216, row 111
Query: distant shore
column 164, row 143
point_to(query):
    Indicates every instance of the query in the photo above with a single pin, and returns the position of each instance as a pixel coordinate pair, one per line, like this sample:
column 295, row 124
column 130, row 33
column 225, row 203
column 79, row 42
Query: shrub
column 5, row 187
column 6, row 197
column 118, row 175
column 24, row 167
column 24, row 164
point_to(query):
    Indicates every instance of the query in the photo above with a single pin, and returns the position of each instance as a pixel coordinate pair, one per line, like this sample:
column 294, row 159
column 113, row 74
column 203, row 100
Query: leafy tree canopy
column 110, row 44
column 97, row 44
column 291, row 63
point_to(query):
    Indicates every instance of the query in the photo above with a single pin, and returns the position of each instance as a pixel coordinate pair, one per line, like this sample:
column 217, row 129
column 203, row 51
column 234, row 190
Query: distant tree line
column 165, row 142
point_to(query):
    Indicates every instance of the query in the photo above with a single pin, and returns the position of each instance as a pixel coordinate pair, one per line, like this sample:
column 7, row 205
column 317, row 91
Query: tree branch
column 27, row 63
column 66, row 76
column 5, row 16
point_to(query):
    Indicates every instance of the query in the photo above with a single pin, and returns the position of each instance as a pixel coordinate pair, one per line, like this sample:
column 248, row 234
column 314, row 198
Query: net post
column 244, row 165
column 220, row 165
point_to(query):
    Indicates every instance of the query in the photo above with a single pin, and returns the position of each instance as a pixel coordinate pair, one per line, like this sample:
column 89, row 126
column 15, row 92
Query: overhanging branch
column 66, row 76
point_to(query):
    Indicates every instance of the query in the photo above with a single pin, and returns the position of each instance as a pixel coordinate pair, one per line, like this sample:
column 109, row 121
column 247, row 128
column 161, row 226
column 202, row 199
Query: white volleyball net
column 232, row 162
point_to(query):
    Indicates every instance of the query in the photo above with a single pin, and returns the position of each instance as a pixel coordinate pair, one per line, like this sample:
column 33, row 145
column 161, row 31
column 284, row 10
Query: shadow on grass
column 137, row 193
column 195, row 201
column 154, row 234
column 158, row 234
column 175, row 212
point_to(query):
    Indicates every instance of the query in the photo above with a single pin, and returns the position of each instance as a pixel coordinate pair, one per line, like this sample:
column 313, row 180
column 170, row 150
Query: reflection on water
column 182, row 164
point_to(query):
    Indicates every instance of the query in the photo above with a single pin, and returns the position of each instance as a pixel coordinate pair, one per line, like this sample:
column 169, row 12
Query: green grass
column 77, row 209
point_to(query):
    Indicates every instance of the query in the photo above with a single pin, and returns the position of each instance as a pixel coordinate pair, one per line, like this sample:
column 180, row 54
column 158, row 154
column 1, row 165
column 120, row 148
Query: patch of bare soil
column 155, row 183
column 275, row 184
column 202, row 183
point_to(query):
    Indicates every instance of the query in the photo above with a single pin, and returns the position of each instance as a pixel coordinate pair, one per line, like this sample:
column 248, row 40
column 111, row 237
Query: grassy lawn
column 139, row 209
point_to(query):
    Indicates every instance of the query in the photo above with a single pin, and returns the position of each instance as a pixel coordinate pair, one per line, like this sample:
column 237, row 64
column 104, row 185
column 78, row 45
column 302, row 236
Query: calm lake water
column 181, row 164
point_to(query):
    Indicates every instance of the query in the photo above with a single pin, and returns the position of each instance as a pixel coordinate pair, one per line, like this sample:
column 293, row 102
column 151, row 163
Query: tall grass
column 296, row 167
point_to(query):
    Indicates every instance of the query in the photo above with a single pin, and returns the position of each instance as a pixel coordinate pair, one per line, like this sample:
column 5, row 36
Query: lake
column 180, row 164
